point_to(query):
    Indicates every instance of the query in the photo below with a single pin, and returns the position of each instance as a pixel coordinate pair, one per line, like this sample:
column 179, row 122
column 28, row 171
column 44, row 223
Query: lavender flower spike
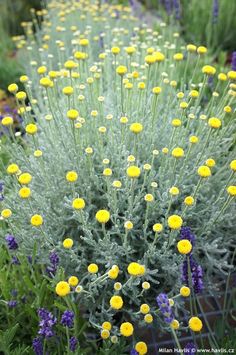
column 37, row 346
column 67, row 319
column 164, row 307
column 73, row 344
column 11, row 242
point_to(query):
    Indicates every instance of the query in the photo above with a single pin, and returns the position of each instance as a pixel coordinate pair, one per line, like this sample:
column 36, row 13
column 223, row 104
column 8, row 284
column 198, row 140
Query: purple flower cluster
column 176, row 5
column 54, row 261
column 196, row 274
column 67, row 319
column 185, row 233
column 233, row 61
column 11, row 242
column 190, row 348
column 37, row 346
column 164, row 307
column 215, row 11
column 73, row 344
column 133, row 352
column 12, row 304
column 47, row 321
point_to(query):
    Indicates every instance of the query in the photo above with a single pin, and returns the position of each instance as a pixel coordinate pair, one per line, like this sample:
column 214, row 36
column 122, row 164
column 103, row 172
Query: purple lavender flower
column 12, row 304
column 168, row 7
column 14, row 293
column 37, row 346
column 215, row 11
column 1, row 186
column 73, row 344
column 233, row 62
column 190, row 348
column 67, row 319
column 46, row 323
column 185, row 233
column 11, row 242
column 133, row 352
column 196, row 274
column 164, row 307
column 15, row 260
column 176, row 4
column 54, row 261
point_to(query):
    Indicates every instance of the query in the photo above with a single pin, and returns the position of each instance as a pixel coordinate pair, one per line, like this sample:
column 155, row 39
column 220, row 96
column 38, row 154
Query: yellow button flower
column 133, row 171
column 25, row 178
column 62, row 288
column 141, row 348
column 175, row 222
column 204, row 171
column 231, row 190
column 189, row 201
column 92, row 268
column 78, row 203
column 72, row 176
column 210, row 163
column 7, row 121
column 6, row 213
column 136, row 127
column 12, row 169
column 36, row 220
column 156, row 90
column 31, row 128
column 233, row 165
column 72, row 114
column 185, row 291
column 24, row 192
column 73, row 281
column 177, row 152
column 105, row 334
column 148, row 318
column 102, row 216
column 135, row 269
column 115, row 50
column 208, row 70
column 126, row 329
column 201, row 50
column 13, row 88
column 106, row 325
column 68, row 243
column 174, row 324
column 144, row 308
column 184, row 246
column 178, row 56
column 121, row 70
column 195, row 324
column 158, row 227
column 116, row 302
column 214, row 122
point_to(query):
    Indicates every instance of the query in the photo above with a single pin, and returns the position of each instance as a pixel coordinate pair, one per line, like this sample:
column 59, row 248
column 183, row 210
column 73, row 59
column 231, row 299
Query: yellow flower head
column 13, row 88
column 133, row 171
column 174, row 191
column 73, row 281
column 115, row 50
column 191, row 48
column 214, row 122
column 210, row 163
column 193, row 139
column 232, row 75
column 31, row 128
column 189, row 201
column 156, row 90
column 107, row 172
column 195, row 324
column 146, row 285
column 117, row 184
column 135, row 269
column 201, row 50
column 233, row 165
column 175, row 221
column 21, row 96
column 106, row 325
column 208, row 70
column 68, row 243
column 150, row 59
column 231, row 190
column 177, row 152
column 136, row 127
column 70, row 64
column 103, row 216
column 12, row 169
column 116, row 302
column 62, row 288
column 121, row 70
column 7, row 121
column 105, row 333
column 126, row 329
column 72, row 114
column 36, row 220
column 67, row 90
column 185, row 291
column 24, row 192
column 141, row 348
column 78, row 203
column 176, row 122
column 178, row 57
column 25, row 178
column 157, row 228
column 204, row 171
column 130, row 50
column 144, row 308
column 174, row 324
column 194, row 94
column 222, row 77
column 6, row 213
column 149, row 198
column 128, row 225
column 184, row 246
column 148, row 318
column 92, row 268
column 46, row 82
column 72, row 176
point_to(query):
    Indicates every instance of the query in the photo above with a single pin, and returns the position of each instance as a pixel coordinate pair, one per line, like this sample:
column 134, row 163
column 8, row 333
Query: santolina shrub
column 123, row 153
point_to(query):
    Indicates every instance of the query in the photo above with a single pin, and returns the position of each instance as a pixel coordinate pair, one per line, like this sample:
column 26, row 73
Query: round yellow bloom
column 175, row 221
column 150, row 59
column 21, row 95
column 106, row 325
column 144, row 308
column 126, row 329
column 105, row 334
column 204, row 171
column 31, row 128
column 193, row 139
column 62, row 288
column 121, row 70
column 233, row 165
column 183, row 105
column 158, row 227
column 174, row 324
column 210, row 163
column 174, row 191
column 176, row 122
column 117, row 286
column 141, row 85
column 84, row 42
column 195, row 324
column 128, row 225
column 180, row 95
column 92, row 268
column 113, row 273
column 13, row 88
column 141, row 348
column 68, row 90
column 201, row 50
column 208, row 70
column 6, row 213
column 36, row 220
column 194, row 93
column 107, row 172
column 130, row 50
column 222, row 77
column 71, row 176
column 25, row 178
column 189, row 201
column 116, row 302
column 7, row 121
column 117, row 184
column 70, row 64
column 42, row 70
column 185, row 291
column 133, row 171
column 73, row 281
column 178, row 56
column 102, row 216
column 149, row 198
column 68, row 243
column 115, row 50
column 123, row 120
column 135, row 269
column 72, row 114
column 78, row 203
column 24, row 192
column 12, row 169
column 38, row 153
column 214, row 122
column 191, row 48
column 148, row 318
column 159, row 56
column 184, row 246
column 231, row 190
column 232, row 75
column 156, row 90
column 227, row 109
column 177, row 152
column 136, row 127
column 46, row 82
column 146, row 285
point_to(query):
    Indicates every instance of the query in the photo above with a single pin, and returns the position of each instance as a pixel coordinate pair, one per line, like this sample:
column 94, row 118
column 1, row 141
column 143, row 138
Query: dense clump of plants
column 123, row 185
